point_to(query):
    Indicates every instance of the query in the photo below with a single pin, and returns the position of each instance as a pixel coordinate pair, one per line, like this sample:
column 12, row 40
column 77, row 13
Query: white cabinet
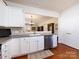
column 6, row 51
column 33, row 44
column 40, row 43
column 54, row 41
column 2, row 16
column 12, row 17
column 14, row 47
column 2, row 12
column 24, row 45
column 28, row 45
column 10, row 49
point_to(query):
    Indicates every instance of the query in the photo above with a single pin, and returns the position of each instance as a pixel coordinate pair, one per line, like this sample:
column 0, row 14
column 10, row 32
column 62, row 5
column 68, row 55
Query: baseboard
column 70, row 46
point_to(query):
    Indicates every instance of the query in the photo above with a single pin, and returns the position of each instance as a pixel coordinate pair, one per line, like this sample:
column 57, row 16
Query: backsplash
column 25, row 29
column 16, row 30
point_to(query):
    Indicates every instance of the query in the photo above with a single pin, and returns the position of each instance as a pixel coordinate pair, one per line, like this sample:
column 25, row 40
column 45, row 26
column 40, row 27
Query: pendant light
column 32, row 20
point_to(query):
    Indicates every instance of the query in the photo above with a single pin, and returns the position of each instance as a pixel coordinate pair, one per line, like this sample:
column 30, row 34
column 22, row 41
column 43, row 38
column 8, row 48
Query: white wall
column 69, row 27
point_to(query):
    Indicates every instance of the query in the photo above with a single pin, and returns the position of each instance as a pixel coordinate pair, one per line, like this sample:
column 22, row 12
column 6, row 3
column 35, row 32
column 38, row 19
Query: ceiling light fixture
column 32, row 23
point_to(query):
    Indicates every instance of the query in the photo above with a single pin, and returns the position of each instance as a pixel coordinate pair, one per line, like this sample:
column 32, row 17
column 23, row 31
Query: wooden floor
column 64, row 52
column 21, row 57
column 61, row 52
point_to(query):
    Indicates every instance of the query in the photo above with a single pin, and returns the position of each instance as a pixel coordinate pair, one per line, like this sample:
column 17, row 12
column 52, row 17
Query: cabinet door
column 14, row 17
column 11, row 49
column 40, row 42
column 2, row 15
column 24, row 43
column 33, row 44
column 14, row 47
column 5, row 51
column 54, row 39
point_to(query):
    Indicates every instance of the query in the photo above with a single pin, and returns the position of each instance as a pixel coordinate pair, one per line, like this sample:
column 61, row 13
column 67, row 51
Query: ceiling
column 55, row 5
column 37, row 19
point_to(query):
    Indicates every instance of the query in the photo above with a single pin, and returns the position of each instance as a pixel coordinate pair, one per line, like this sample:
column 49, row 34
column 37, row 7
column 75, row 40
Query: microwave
column 5, row 32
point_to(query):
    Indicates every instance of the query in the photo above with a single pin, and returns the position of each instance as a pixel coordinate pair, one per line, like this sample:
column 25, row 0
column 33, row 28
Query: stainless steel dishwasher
column 48, row 41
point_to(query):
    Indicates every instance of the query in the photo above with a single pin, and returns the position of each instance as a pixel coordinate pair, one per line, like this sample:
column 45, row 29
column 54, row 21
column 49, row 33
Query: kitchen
column 24, row 32
column 39, row 29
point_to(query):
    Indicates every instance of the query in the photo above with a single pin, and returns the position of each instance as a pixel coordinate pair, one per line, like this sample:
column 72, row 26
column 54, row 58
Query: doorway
column 51, row 27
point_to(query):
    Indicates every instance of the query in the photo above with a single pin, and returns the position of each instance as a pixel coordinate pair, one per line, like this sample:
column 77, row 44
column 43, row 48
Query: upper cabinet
column 2, row 15
column 11, row 17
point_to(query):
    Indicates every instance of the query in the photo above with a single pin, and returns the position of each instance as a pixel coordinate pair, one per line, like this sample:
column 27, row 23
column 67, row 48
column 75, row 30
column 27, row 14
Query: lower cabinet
column 6, row 51
column 24, row 45
column 40, row 43
column 14, row 47
column 10, row 49
column 31, row 44
column 21, row 46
